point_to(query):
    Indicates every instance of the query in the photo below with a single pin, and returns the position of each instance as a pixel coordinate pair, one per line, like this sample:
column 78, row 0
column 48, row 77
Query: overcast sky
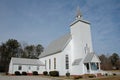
column 42, row 21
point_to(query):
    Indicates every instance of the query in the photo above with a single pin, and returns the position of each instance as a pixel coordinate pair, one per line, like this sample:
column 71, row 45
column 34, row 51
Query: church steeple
column 79, row 17
column 79, row 14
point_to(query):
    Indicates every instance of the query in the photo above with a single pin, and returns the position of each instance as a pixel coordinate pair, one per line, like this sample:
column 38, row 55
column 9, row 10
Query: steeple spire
column 78, row 15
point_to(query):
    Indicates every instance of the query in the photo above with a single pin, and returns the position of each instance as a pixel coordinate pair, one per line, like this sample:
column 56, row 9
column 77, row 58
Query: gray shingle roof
column 89, row 57
column 25, row 61
column 76, row 61
column 56, row 46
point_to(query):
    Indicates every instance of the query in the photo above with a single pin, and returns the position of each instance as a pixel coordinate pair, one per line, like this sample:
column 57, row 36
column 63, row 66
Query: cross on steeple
column 78, row 15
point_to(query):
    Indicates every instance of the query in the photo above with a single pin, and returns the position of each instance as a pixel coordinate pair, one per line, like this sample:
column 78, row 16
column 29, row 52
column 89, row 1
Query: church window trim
column 49, row 63
column 29, row 67
column 37, row 67
column 67, row 61
column 19, row 67
column 54, row 63
column 45, row 64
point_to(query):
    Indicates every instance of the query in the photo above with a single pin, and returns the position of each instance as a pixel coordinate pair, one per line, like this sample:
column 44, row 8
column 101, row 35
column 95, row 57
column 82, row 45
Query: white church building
column 71, row 53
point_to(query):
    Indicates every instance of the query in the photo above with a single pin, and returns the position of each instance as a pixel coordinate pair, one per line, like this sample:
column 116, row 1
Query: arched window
column 87, row 49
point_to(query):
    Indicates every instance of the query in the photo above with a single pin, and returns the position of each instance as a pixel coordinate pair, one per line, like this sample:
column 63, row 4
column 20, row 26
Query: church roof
column 25, row 61
column 56, row 46
column 79, row 19
column 77, row 61
column 89, row 57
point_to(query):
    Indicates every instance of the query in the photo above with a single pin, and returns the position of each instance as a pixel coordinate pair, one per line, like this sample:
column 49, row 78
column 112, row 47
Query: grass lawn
column 108, row 78
column 117, row 77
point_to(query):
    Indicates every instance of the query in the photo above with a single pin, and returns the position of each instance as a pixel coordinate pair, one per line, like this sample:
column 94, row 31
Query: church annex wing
column 26, row 61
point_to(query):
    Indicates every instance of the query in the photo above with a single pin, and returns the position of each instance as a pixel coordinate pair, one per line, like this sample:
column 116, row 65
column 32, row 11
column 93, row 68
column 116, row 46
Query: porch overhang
column 91, row 57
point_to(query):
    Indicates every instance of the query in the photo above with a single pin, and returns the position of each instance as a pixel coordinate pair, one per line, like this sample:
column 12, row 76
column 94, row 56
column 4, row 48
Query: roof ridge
column 22, row 58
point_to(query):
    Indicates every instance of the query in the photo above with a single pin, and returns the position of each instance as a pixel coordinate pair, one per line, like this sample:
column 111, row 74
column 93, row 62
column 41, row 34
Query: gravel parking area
column 25, row 78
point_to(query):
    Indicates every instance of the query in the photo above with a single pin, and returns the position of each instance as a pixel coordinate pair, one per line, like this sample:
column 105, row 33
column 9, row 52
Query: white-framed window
column 29, row 67
column 45, row 64
column 19, row 67
column 37, row 67
column 67, row 61
column 54, row 63
column 49, row 63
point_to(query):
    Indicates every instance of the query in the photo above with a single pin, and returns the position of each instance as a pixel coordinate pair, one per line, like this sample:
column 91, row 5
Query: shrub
column 24, row 73
column 114, row 74
column 78, row 77
column 106, row 74
column 67, row 74
column 54, row 73
column 17, row 73
column 45, row 73
column 91, row 76
column 35, row 73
